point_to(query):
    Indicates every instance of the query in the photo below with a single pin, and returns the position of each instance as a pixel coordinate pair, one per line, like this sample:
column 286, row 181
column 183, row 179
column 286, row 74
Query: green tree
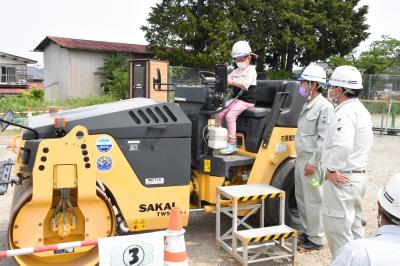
column 200, row 33
column 34, row 93
column 305, row 31
column 115, row 73
column 382, row 57
column 191, row 33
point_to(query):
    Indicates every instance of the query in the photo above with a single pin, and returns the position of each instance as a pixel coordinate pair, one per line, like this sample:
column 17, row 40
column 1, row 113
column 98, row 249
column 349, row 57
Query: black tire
column 283, row 179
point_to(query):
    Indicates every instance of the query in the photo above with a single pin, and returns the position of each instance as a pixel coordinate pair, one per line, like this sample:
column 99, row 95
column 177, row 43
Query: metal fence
column 381, row 96
column 381, row 87
column 385, row 115
column 181, row 76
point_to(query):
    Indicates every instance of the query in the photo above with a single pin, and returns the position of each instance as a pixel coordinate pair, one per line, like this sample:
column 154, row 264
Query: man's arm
column 324, row 120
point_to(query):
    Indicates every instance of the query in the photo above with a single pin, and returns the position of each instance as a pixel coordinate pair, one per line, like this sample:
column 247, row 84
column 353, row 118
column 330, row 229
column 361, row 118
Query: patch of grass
column 11, row 132
column 80, row 102
column 23, row 102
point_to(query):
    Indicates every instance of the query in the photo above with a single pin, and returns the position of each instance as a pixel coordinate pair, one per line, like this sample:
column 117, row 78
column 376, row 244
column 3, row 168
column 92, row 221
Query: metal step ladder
column 241, row 202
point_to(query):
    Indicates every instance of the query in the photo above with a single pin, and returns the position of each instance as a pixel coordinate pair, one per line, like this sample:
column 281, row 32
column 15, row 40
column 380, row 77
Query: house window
column 3, row 75
column 7, row 74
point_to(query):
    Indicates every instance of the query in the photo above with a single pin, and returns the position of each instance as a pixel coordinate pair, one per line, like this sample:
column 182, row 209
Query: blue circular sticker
column 104, row 163
column 104, row 144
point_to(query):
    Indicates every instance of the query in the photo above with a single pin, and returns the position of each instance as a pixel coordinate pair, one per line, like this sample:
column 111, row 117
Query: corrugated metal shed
column 93, row 45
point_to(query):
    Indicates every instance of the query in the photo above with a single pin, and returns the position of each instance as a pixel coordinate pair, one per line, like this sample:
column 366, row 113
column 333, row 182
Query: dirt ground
column 200, row 236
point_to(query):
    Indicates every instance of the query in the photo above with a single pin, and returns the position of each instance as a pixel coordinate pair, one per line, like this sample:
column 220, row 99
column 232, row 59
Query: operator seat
column 253, row 121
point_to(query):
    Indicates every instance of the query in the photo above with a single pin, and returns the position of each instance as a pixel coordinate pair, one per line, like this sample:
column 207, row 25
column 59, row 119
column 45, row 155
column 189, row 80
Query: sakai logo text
column 162, row 209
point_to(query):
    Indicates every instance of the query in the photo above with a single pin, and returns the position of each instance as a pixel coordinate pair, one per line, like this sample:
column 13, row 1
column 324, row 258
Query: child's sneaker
column 231, row 148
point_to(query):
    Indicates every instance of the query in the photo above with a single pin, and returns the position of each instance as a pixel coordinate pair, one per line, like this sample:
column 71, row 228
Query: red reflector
column 59, row 122
column 52, row 109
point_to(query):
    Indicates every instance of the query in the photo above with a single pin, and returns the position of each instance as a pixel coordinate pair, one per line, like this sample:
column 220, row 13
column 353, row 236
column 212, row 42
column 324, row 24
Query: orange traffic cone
column 175, row 249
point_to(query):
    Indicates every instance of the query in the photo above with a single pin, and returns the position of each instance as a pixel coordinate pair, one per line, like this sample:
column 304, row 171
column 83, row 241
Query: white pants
column 342, row 212
column 309, row 201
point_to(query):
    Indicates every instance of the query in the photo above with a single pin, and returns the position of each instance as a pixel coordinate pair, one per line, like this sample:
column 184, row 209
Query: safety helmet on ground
column 241, row 48
column 389, row 198
column 346, row 77
column 313, row 73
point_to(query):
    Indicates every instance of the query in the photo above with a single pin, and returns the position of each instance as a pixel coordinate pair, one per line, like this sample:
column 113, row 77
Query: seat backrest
column 266, row 91
column 292, row 106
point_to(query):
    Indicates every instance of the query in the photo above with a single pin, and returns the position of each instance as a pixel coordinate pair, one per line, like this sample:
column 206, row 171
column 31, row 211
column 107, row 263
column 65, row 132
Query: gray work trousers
column 309, row 201
column 342, row 212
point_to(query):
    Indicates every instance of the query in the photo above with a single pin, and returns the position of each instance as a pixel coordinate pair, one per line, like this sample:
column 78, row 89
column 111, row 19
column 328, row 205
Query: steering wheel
column 206, row 76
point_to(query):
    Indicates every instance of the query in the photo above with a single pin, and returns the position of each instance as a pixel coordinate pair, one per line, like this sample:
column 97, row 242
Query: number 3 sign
column 132, row 250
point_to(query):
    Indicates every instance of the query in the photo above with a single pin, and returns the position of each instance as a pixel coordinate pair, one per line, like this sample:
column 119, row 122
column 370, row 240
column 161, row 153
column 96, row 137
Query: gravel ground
column 200, row 236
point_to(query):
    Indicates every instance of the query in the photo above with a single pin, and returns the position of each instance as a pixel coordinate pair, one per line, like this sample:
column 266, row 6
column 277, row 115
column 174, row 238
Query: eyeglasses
column 240, row 58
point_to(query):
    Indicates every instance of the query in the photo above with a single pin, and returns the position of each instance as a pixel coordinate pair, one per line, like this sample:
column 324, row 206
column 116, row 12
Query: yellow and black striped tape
column 271, row 237
column 269, row 196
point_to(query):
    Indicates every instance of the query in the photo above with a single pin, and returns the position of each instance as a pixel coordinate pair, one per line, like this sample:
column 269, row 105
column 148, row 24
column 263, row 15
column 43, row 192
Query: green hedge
column 23, row 102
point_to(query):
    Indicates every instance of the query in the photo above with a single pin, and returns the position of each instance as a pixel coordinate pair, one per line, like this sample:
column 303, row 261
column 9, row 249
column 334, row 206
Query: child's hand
column 236, row 84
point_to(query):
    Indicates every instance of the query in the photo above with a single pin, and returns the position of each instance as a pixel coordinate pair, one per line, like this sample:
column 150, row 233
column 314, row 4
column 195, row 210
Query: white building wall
column 9, row 61
column 83, row 64
column 56, row 72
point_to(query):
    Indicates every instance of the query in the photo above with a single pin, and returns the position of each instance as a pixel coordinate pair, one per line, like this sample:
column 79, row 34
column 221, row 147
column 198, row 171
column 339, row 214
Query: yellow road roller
column 119, row 168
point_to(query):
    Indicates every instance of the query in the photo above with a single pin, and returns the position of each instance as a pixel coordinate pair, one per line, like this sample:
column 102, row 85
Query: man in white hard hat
column 345, row 158
column 384, row 246
column 315, row 116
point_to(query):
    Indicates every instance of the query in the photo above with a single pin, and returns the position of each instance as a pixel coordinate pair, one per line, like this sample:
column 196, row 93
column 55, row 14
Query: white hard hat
column 313, row 73
column 346, row 77
column 241, row 48
column 389, row 196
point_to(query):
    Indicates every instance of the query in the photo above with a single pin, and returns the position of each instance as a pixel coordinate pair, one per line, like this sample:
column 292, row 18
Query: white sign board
column 132, row 250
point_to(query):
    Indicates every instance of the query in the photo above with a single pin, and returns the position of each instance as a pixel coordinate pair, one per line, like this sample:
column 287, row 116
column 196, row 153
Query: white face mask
column 330, row 95
column 333, row 96
column 241, row 65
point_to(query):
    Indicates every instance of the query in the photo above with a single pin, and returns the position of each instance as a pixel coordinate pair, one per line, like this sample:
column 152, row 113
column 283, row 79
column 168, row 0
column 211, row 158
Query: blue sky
column 28, row 22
